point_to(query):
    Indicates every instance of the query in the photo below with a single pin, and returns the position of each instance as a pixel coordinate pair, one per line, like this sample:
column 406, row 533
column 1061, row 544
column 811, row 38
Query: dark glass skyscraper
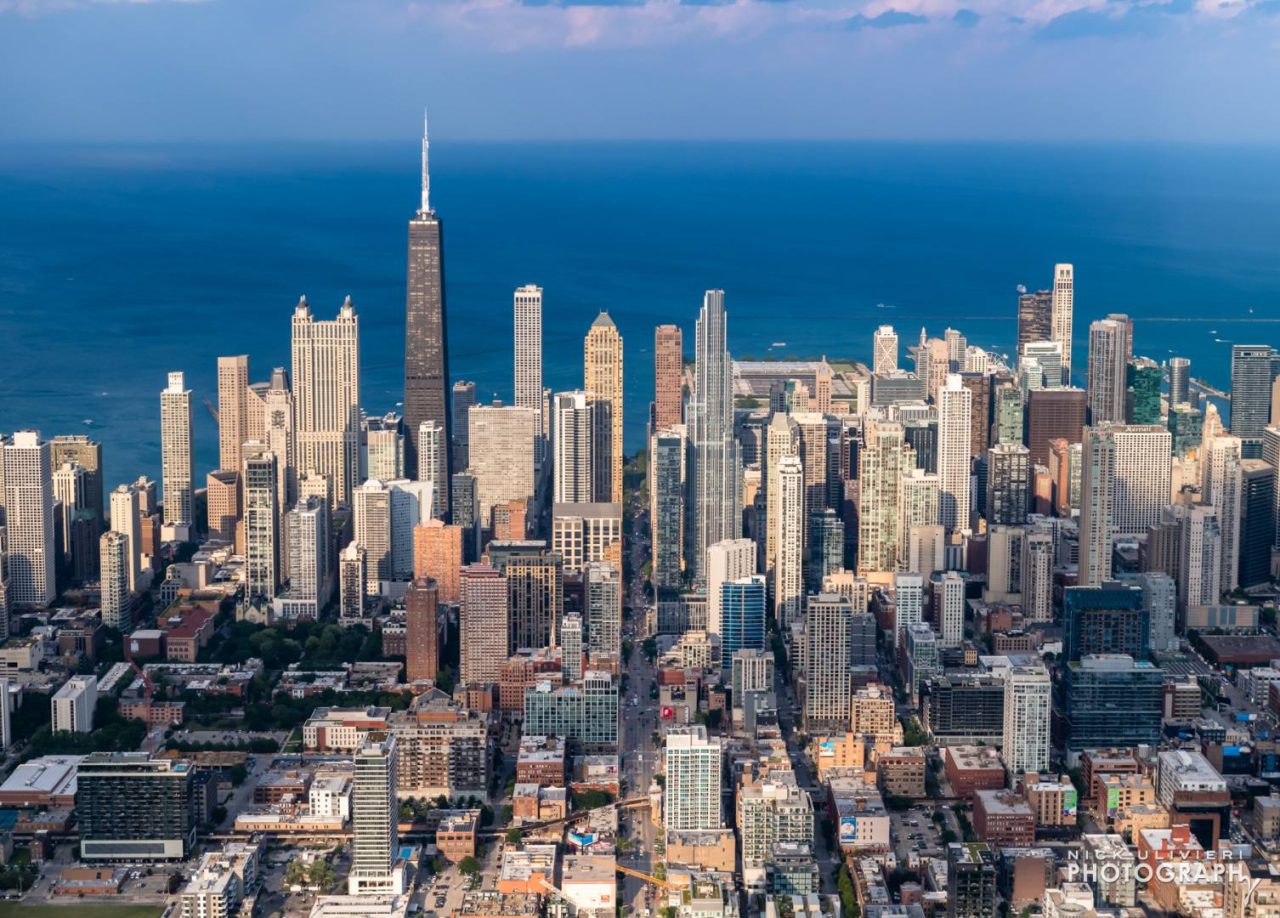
column 1253, row 367
column 426, row 337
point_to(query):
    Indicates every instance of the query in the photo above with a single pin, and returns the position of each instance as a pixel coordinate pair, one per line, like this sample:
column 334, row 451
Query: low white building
column 73, row 705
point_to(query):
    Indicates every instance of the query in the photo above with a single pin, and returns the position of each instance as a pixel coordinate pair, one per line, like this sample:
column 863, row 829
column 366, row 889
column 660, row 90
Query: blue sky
column 115, row 70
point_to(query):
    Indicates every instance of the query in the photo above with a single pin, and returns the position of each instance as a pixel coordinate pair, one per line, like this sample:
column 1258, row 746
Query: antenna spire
column 426, row 175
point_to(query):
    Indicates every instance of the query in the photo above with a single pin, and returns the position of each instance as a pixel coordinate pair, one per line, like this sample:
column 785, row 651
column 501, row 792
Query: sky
column 138, row 71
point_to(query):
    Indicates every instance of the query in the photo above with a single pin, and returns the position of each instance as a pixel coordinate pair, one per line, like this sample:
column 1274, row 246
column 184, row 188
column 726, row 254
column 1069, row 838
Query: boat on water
column 778, row 344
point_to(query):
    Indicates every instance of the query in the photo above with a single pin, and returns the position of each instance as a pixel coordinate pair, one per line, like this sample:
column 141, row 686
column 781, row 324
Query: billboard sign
column 1069, row 802
column 848, row 829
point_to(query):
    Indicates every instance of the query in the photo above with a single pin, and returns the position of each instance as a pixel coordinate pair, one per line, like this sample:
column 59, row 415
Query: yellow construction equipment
column 644, row 877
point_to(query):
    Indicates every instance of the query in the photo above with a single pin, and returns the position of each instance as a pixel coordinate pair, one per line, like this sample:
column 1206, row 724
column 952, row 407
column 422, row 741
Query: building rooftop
column 588, row 868
column 49, row 774
column 1003, row 803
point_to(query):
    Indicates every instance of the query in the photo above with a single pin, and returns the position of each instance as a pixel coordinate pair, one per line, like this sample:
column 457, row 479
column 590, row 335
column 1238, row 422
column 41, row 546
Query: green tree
column 469, row 866
column 514, row 836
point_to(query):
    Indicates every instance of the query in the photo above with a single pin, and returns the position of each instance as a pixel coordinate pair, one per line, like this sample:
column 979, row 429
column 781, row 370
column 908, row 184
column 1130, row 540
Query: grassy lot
column 77, row 908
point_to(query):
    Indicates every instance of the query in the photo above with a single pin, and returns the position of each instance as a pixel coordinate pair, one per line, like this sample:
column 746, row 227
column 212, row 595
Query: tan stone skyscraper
column 668, row 366
column 602, row 380
column 233, row 409
column 422, row 645
column 175, row 452
column 326, row 393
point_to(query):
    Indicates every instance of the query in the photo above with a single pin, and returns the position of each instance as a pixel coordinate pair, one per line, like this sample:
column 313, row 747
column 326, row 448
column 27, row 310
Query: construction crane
column 212, row 410
column 148, row 690
column 644, row 878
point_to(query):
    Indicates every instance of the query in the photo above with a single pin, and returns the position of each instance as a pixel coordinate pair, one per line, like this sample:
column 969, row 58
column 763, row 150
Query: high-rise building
column 948, row 595
column 955, row 405
column 727, row 561
column 261, row 522
column 884, row 346
column 383, row 448
column 572, row 646
column 433, row 465
column 371, row 518
column 374, row 817
column 233, row 409
column 464, row 396
column 1037, row 577
column 1053, row 414
column 483, row 624
column 788, row 569
column 1257, row 522
column 879, row 479
column 742, row 615
column 126, row 518
column 918, row 508
column 351, row 586
column 72, row 706
column 528, row 358
column 603, row 588
column 113, row 565
column 422, row 629
column 1253, row 368
column 222, row 497
column 1220, row 488
column 1143, row 397
column 908, row 593
column 971, row 881
column 585, row 533
column 573, row 433
column 602, row 381
column 1035, row 317
column 1028, row 701
column 438, row 556
column 691, row 799
column 1143, row 462
column 426, row 338
column 130, row 806
column 668, row 377
column 1062, row 313
column 827, row 687
column 1179, row 381
column 536, row 591
column 500, row 444
column 1112, row 700
column 716, row 493
column 979, row 386
column 1109, row 618
column 667, row 508
column 826, row 546
column 69, row 492
column 1200, row 563
column 1097, row 494
column 280, row 435
column 178, row 472
column 326, row 380
column 1110, row 347
column 29, row 519
column 1008, row 484
column 309, row 546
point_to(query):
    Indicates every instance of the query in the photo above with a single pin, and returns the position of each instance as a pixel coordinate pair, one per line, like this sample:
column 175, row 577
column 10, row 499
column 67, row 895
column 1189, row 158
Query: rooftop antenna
column 426, row 175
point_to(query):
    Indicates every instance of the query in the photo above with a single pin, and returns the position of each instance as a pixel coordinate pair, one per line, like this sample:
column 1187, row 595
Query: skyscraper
column 1110, row 618
column 536, row 590
column 87, row 454
column 464, row 396
column 483, row 624
column 1142, row 477
column 261, row 522
column 603, row 587
column 1143, row 397
column 28, row 503
column 693, row 785
column 727, row 561
column 955, row 404
column 1179, row 381
column 528, row 354
column 233, row 409
column 1110, row 347
column 1035, row 317
column 716, row 501
column 826, row 546
column 668, row 376
column 1027, row 706
column 742, row 615
column 1053, row 414
column 908, row 592
column 827, row 641
column 1063, row 310
column 884, row 345
column 1220, row 487
column 1200, row 562
column 948, row 596
column 438, row 555
column 1257, row 522
column 667, row 508
column 1008, row 484
column 1097, row 493
column 308, row 545
column 126, row 518
column 426, row 329
column 788, row 569
column 918, row 509
column 433, row 465
column 501, row 449
column 879, row 480
column 326, row 379
column 1253, row 367
column 374, row 818
column 573, row 434
column 421, row 625
column 178, row 471
column 781, row 440
column 117, row 606
column 602, row 381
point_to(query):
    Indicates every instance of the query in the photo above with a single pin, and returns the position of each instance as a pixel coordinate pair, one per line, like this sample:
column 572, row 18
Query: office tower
column 1220, row 487
column 29, row 512
column 1040, row 366
column 1143, row 398
column 1200, row 563
column 438, row 556
column 948, row 593
column 879, row 478
column 1179, row 381
column 826, row 546
column 1062, row 312
column 1185, row 424
column 1110, row 347
column 528, row 356
column 281, row 437
column 536, row 590
column 585, row 715
column 602, row 381
column 464, row 396
column 716, row 496
column 126, row 518
column 1097, row 494
column 1027, row 706
column 727, row 561
column 781, row 439
column 921, row 434
column 908, row 592
column 573, row 434
column 117, row 605
column 1271, row 455
column 1110, row 618
column 326, row 380
column 571, row 646
column 666, row 508
column 918, row 508
column 351, row 586
column 884, row 347
column 466, row 511
column 826, row 671
column 1008, row 484
column 1004, row 564
column 1112, row 700
column 668, row 376
column 383, row 449
column 433, row 466
column 72, row 706
column 1257, row 522
column 586, row 533
column 604, row 608
column 1253, row 368
column 261, row 522
column 483, row 624
column 175, row 452
column 822, row 379
column 1160, row 601
column 957, row 346
column 410, row 505
column 1053, row 414
column 742, row 615
column 233, row 409
column 222, row 497
column 87, row 454
column 374, row 815
column 500, row 444
column 788, row 570
column 979, row 386
column 134, row 807
column 1009, row 413
column 1143, row 461
column 1035, row 317
column 932, row 365
column 69, row 492
column 422, row 628
column 692, row 796
column 954, row 434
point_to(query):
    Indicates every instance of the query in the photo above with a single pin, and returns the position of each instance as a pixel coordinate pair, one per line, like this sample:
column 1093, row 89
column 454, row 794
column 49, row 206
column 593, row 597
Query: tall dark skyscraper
column 1035, row 317
column 426, row 338
column 1253, row 367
